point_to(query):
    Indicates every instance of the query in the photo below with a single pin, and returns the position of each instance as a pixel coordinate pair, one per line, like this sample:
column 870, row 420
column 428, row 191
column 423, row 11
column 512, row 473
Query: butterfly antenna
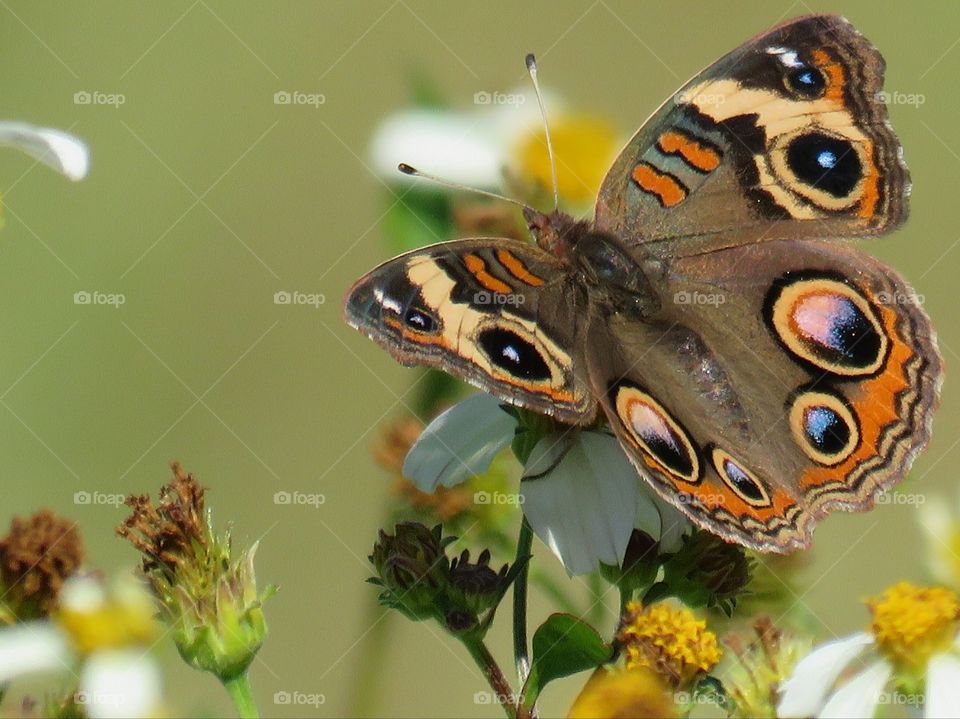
column 414, row 172
column 532, row 69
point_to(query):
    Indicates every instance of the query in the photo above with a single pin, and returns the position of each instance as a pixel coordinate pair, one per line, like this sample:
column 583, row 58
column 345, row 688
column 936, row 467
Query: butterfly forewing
column 499, row 313
column 786, row 137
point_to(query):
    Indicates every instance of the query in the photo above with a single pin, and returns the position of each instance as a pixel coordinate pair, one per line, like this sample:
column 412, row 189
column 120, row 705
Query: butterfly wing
column 500, row 314
column 785, row 137
column 782, row 381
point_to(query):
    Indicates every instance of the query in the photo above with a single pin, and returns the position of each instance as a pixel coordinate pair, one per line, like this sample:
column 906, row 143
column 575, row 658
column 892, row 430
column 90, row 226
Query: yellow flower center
column 96, row 620
column 912, row 623
column 669, row 640
column 585, row 147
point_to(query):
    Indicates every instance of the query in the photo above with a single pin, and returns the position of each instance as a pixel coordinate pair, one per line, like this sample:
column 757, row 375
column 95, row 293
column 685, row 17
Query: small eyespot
column 420, row 321
column 826, row 163
column 741, row 480
column 513, row 354
column 658, row 435
column 824, row 426
column 806, row 81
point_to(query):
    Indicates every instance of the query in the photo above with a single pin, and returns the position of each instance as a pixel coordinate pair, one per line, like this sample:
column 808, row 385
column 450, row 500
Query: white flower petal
column 673, row 523
column 470, row 147
column 648, row 519
column 63, row 152
column 937, row 523
column 459, row 147
column 858, row 698
column 943, row 687
column 83, row 594
column 584, row 509
column 460, row 443
column 32, row 647
column 803, row 693
column 119, row 684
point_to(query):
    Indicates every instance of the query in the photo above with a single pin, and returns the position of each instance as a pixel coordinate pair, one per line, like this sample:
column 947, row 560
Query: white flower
column 114, row 681
column 579, row 491
column 913, row 643
column 467, row 147
column 941, row 527
column 63, row 152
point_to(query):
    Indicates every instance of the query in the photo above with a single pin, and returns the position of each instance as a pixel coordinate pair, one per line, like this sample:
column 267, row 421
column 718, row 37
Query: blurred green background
column 206, row 198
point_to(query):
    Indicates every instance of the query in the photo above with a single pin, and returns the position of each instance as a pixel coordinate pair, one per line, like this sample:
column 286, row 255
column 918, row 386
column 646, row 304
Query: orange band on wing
column 876, row 405
column 698, row 155
column 514, row 265
column 871, row 186
column 478, row 268
column 836, row 79
column 666, row 187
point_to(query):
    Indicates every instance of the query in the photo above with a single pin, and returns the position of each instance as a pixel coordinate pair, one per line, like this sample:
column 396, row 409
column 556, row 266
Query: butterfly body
column 758, row 372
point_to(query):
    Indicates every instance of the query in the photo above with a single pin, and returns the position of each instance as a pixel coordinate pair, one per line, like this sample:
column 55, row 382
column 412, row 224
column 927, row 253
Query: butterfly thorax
column 600, row 261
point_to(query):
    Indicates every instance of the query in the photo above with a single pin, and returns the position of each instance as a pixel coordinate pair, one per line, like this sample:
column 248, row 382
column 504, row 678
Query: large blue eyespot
column 825, row 163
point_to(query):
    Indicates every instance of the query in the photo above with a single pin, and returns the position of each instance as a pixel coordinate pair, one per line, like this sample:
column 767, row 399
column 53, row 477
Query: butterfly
column 758, row 371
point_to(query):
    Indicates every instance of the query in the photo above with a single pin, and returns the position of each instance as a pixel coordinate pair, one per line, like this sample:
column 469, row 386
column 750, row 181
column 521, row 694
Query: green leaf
column 418, row 219
column 562, row 645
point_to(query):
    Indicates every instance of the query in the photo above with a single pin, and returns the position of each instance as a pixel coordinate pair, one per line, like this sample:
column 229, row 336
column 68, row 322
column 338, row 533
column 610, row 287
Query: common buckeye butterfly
column 758, row 373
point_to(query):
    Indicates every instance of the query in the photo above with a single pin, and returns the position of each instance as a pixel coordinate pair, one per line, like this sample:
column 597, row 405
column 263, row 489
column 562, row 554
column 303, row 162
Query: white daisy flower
column 470, row 147
column 100, row 640
column 580, row 493
column 910, row 656
column 57, row 149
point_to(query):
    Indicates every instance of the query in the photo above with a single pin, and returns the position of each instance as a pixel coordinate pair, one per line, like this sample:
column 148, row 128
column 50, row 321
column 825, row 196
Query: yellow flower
column 911, row 623
column 585, row 148
column 669, row 640
column 623, row 693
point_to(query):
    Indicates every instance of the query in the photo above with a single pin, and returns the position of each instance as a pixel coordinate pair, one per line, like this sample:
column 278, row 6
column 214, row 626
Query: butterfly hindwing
column 786, row 137
column 501, row 314
column 781, row 381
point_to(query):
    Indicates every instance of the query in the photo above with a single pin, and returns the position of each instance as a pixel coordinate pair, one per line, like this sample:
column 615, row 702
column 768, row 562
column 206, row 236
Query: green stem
column 503, row 693
column 367, row 686
column 522, row 658
column 242, row 695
